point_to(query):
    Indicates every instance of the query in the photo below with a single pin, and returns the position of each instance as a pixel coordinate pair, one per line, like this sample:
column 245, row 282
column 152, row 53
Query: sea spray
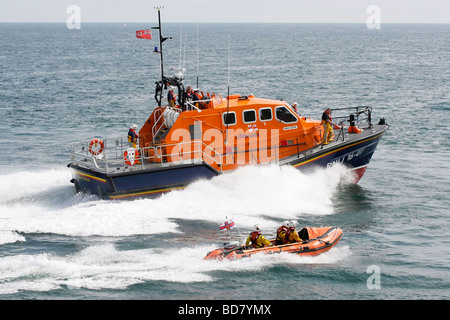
column 254, row 194
column 105, row 266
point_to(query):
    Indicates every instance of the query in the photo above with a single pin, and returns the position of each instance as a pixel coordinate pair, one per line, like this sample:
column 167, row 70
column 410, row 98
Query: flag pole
column 228, row 229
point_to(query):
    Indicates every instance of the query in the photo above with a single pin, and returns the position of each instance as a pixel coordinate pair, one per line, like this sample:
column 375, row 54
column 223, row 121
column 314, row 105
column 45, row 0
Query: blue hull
column 138, row 184
column 354, row 152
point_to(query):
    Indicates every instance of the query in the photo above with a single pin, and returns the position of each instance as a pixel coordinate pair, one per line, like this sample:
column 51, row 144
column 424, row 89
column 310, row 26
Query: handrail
column 191, row 106
column 367, row 110
column 111, row 159
column 155, row 132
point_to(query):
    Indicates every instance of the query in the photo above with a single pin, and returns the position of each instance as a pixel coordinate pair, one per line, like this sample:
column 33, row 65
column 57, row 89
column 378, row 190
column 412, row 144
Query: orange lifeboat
column 315, row 241
column 205, row 135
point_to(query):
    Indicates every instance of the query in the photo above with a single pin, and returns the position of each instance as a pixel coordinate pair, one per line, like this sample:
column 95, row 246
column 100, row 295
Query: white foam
column 10, row 237
column 45, row 202
column 257, row 193
column 103, row 266
column 17, row 185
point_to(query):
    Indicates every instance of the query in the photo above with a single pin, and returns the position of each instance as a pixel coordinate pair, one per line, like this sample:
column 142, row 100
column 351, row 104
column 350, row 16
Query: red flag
column 227, row 225
column 144, row 34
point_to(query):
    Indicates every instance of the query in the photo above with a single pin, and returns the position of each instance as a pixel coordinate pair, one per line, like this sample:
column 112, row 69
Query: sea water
column 60, row 86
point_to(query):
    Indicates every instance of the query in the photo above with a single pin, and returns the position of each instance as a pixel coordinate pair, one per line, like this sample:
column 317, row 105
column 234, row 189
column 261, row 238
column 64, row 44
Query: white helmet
column 256, row 228
column 292, row 224
column 294, row 104
column 133, row 126
column 285, row 223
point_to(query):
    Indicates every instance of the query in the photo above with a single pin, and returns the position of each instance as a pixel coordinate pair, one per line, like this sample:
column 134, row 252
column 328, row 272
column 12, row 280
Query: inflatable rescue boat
column 315, row 241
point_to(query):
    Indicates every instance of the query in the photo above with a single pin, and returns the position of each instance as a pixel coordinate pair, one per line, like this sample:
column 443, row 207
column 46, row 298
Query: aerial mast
column 161, row 40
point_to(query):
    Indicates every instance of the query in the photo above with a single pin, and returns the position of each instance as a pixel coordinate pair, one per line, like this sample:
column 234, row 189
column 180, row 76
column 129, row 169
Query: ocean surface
column 60, row 86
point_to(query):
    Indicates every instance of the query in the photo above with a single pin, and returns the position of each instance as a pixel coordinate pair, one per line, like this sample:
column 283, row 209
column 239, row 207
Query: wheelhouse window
column 249, row 116
column 283, row 114
column 229, row 118
column 265, row 114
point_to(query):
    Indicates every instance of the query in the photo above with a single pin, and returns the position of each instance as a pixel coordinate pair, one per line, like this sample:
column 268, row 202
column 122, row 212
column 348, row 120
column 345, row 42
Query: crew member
column 189, row 94
column 192, row 97
column 171, row 98
column 257, row 240
column 328, row 123
column 294, row 106
column 291, row 234
column 197, row 99
column 281, row 234
column 132, row 136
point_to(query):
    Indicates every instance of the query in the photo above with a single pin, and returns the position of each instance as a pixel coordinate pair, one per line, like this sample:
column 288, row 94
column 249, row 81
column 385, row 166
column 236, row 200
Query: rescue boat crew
column 257, row 240
column 294, row 106
column 281, row 234
column 171, row 98
column 192, row 97
column 291, row 234
column 132, row 136
column 327, row 121
column 189, row 94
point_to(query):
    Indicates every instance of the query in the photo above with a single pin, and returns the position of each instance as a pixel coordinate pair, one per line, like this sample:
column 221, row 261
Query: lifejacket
column 329, row 117
column 190, row 96
column 254, row 236
column 288, row 233
column 279, row 231
column 130, row 136
column 170, row 96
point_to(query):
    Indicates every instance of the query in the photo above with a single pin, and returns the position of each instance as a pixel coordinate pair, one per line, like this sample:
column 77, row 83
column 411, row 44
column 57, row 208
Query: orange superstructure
column 244, row 129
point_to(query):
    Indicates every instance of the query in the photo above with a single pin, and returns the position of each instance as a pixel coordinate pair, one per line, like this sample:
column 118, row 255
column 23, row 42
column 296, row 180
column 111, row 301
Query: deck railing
column 111, row 159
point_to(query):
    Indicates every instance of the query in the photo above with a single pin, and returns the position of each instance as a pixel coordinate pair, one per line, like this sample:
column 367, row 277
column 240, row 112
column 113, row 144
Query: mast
column 176, row 80
column 161, row 84
column 161, row 40
column 197, row 56
column 228, row 85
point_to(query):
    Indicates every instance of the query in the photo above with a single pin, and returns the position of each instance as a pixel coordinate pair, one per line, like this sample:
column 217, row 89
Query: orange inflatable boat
column 315, row 241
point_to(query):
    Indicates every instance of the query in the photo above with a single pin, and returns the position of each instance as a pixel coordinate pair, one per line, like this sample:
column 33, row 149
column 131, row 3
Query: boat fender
column 77, row 186
column 354, row 129
column 96, row 147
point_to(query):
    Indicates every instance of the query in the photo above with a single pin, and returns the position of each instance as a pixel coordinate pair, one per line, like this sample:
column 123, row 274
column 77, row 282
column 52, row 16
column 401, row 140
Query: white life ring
column 96, row 147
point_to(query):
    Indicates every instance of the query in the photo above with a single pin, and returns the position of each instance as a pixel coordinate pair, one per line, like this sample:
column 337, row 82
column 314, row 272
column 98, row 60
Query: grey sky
column 127, row 11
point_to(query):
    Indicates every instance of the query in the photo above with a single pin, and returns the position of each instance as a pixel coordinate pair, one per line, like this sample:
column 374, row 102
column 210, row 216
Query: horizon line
column 243, row 22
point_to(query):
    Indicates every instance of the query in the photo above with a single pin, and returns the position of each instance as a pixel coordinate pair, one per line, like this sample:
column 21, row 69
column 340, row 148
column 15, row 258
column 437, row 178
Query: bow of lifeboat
column 314, row 242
